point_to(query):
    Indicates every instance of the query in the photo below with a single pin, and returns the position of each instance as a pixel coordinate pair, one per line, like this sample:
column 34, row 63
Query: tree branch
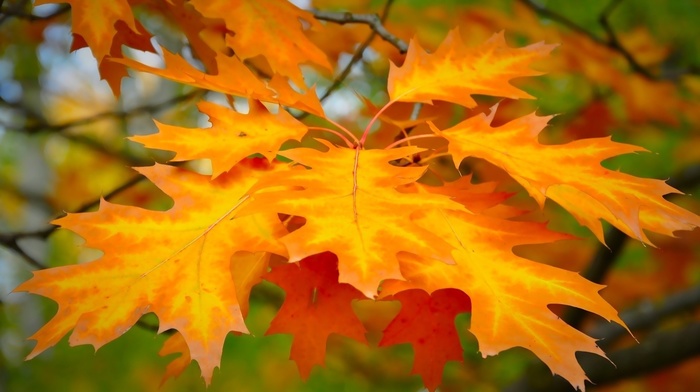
column 642, row 317
column 11, row 241
column 614, row 43
column 43, row 126
column 647, row 314
column 605, row 256
column 371, row 20
column 14, row 12
column 657, row 351
column 357, row 55
column 611, row 41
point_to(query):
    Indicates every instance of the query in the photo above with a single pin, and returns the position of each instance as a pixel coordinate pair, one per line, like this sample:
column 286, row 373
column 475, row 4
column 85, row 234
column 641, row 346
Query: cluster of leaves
column 352, row 216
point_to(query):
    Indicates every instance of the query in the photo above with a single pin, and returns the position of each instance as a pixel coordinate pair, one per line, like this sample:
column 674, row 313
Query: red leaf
column 427, row 322
column 315, row 307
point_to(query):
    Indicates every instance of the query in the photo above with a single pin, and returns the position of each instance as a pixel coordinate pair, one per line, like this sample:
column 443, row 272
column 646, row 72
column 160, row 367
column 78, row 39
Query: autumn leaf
column 353, row 209
column 315, row 306
column 232, row 137
column 173, row 263
column 232, row 77
column 95, row 22
column 247, row 270
column 113, row 72
column 268, row 28
column 175, row 345
column 205, row 36
column 427, row 322
column 509, row 294
column 572, row 176
column 104, row 27
column 455, row 72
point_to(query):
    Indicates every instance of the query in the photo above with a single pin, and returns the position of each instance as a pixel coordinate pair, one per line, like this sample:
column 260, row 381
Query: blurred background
column 627, row 69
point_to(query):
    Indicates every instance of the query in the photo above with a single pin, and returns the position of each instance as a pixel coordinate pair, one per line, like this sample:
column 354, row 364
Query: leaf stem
column 406, row 139
column 373, row 120
column 342, row 128
column 336, row 133
column 382, row 110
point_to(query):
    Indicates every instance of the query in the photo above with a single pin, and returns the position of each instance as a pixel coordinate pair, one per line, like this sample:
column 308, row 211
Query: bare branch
column 148, row 109
column 614, row 43
column 11, row 241
column 561, row 19
column 657, row 351
column 611, row 41
column 41, row 126
column 647, row 315
column 15, row 12
column 371, row 20
column 357, row 55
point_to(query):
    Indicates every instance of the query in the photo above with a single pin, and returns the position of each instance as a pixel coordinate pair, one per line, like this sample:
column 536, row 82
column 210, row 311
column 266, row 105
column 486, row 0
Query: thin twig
column 357, row 55
column 614, row 43
column 11, row 12
column 11, row 241
column 372, row 20
column 149, row 108
column 56, row 129
column 611, row 41
column 549, row 14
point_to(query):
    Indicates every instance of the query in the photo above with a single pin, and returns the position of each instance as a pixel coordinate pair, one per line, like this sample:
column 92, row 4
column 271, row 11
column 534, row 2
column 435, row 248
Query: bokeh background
column 629, row 69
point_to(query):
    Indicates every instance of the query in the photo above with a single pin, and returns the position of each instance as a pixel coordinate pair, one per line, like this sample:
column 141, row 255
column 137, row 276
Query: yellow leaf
column 571, row 175
column 232, row 77
column 454, row 72
column 270, row 28
column 509, row 294
column 232, row 137
column 353, row 209
column 173, row 263
column 94, row 21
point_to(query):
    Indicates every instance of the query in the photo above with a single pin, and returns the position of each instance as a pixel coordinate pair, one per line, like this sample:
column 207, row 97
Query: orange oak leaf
column 455, row 72
column 571, row 175
column 205, row 36
column 427, row 321
column 270, row 28
column 173, row 263
column 95, row 22
column 175, row 344
column 247, row 270
column 114, row 72
column 232, row 137
column 353, row 209
column 509, row 294
column 232, row 77
column 315, row 306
